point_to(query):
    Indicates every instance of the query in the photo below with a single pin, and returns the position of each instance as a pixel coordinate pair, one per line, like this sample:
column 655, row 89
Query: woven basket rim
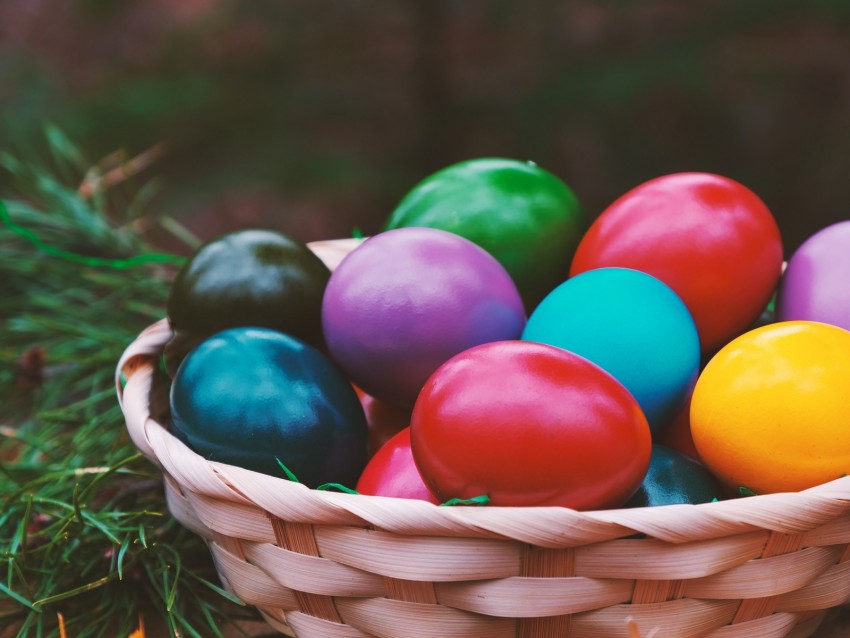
column 550, row 526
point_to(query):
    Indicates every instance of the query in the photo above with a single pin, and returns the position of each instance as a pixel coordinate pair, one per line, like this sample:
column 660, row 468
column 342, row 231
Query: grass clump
column 85, row 536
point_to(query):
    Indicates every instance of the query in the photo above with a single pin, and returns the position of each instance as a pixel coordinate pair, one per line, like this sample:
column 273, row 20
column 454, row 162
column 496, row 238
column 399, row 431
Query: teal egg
column 675, row 478
column 632, row 325
column 254, row 396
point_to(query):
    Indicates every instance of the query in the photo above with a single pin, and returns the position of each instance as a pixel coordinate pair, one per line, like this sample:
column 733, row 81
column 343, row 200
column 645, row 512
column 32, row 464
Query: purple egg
column 407, row 300
column 814, row 286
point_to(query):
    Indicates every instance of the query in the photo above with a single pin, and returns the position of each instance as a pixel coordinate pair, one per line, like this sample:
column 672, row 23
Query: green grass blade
column 17, row 597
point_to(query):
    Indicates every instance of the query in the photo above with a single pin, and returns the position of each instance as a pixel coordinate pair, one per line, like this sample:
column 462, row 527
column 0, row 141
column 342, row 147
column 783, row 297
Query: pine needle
column 83, row 519
column 114, row 170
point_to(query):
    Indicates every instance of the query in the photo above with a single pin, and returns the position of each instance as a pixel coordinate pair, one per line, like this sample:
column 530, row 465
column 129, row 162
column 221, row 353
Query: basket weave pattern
column 321, row 564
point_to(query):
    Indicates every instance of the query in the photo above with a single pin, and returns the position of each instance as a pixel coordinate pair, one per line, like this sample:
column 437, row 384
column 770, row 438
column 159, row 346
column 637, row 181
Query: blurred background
column 315, row 117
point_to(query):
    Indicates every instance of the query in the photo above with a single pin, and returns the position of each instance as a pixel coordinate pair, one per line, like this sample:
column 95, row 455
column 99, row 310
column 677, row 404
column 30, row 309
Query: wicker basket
column 322, row 564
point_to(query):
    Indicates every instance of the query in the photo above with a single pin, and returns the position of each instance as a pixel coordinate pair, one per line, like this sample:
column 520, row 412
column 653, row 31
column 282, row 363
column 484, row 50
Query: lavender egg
column 407, row 300
column 814, row 286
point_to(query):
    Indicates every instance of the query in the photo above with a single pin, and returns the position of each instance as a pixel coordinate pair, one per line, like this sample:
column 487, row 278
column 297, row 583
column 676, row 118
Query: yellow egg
column 771, row 410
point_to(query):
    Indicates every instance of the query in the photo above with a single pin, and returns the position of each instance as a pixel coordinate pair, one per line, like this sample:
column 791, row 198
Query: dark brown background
column 314, row 117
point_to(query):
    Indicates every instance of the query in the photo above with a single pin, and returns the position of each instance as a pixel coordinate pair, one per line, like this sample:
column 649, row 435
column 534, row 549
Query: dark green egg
column 246, row 278
column 523, row 215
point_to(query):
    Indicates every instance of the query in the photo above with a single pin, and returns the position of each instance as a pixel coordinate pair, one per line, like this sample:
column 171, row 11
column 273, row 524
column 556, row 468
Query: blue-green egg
column 673, row 478
column 258, row 398
column 632, row 325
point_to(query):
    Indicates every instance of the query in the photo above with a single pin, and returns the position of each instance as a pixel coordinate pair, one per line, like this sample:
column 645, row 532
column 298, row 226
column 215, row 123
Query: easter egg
column 630, row 324
column 248, row 277
column 709, row 238
column 677, row 435
column 673, row 478
column 529, row 424
column 393, row 472
column 385, row 420
column 256, row 398
column 406, row 300
column 814, row 286
column 769, row 410
column 522, row 214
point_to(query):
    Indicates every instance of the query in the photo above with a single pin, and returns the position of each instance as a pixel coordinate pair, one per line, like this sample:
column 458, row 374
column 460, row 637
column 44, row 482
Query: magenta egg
column 814, row 286
column 406, row 300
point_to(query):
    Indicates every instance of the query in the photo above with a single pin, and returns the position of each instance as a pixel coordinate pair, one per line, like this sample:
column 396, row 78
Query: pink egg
column 814, row 286
column 407, row 300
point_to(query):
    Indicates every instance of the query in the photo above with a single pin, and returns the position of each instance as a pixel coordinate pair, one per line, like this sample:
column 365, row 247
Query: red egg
column 709, row 238
column 392, row 472
column 528, row 424
column 678, row 434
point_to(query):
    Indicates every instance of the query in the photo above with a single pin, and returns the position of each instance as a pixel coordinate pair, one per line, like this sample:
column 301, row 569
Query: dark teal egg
column 675, row 478
column 251, row 396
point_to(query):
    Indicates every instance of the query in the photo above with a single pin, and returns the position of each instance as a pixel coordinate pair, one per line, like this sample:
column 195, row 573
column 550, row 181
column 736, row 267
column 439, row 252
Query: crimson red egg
column 529, row 424
column 709, row 238
column 678, row 434
column 392, row 472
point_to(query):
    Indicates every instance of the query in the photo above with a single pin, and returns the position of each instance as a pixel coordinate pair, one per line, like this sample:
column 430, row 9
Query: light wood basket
column 321, row 564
